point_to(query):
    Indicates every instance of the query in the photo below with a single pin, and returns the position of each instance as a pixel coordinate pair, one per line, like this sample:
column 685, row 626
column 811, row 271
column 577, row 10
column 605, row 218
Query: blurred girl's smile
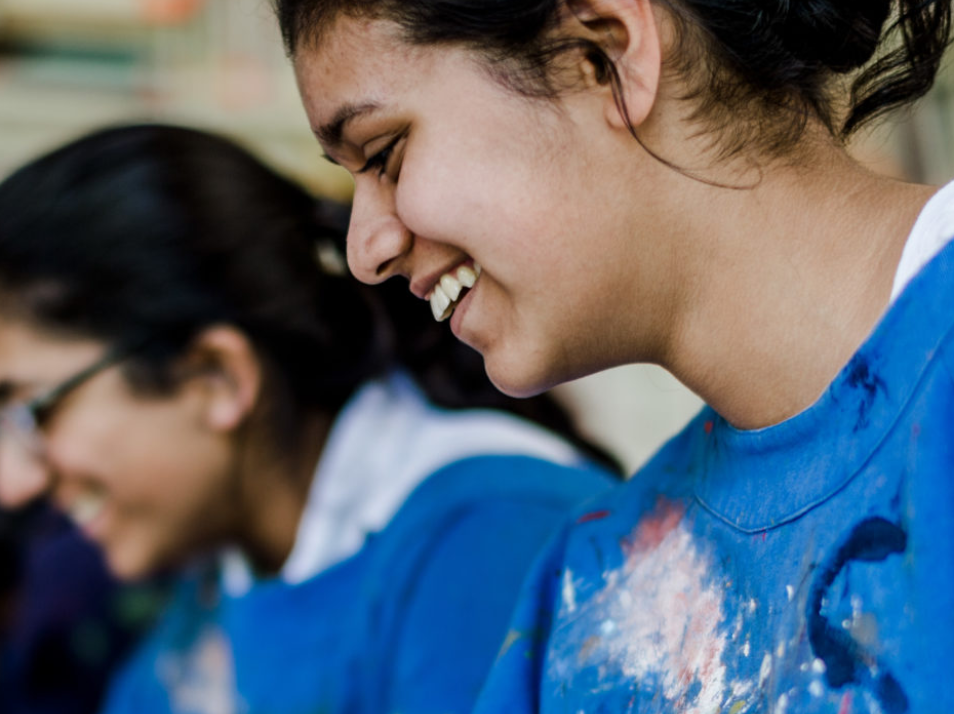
column 136, row 474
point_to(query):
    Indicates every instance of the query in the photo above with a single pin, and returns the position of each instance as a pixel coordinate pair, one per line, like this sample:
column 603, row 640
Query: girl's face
column 143, row 477
column 451, row 168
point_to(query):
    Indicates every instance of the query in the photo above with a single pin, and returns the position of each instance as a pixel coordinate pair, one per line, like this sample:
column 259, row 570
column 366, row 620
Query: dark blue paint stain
column 862, row 378
column 598, row 554
column 846, row 661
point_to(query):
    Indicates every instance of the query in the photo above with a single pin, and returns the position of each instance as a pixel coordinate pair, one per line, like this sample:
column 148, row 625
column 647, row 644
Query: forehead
column 28, row 352
column 361, row 63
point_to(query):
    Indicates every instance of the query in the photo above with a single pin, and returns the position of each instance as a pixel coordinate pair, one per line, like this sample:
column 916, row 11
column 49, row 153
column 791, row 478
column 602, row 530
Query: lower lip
column 460, row 310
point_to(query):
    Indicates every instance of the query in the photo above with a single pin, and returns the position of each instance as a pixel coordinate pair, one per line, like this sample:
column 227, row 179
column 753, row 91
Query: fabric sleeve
column 135, row 688
column 513, row 685
column 459, row 607
column 453, row 611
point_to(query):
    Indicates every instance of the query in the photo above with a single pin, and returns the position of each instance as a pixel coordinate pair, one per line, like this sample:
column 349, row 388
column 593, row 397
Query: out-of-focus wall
column 67, row 66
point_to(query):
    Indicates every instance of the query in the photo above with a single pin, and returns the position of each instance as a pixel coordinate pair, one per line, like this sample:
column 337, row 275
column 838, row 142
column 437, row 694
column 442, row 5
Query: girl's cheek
column 22, row 478
column 410, row 201
column 427, row 195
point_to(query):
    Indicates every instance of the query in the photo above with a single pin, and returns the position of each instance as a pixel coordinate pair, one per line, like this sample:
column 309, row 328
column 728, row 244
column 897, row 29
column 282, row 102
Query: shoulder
column 447, row 570
column 516, row 478
column 472, row 501
column 917, row 333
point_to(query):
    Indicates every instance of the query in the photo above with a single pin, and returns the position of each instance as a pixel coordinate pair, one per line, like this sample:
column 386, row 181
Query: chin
column 520, row 383
column 128, row 566
column 532, row 372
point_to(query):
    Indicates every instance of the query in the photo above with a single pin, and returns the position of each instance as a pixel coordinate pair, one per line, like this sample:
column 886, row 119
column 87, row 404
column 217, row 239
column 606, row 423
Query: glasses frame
column 25, row 418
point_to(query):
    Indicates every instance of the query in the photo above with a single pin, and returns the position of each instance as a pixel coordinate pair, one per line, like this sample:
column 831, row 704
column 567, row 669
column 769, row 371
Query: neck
column 273, row 489
column 778, row 285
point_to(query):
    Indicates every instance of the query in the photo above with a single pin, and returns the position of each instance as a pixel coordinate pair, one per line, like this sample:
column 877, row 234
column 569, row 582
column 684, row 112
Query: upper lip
column 422, row 287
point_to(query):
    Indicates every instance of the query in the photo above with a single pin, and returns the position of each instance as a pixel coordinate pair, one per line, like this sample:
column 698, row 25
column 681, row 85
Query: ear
column 229, row 371
column 628, row 32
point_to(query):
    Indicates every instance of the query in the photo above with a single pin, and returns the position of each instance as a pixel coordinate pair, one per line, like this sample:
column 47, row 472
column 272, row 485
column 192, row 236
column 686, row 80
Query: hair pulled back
column 794, row 58
column 745, row 60
column 143, row 236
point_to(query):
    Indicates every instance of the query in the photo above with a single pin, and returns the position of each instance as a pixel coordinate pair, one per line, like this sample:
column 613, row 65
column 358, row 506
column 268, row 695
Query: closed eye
column 379, row 161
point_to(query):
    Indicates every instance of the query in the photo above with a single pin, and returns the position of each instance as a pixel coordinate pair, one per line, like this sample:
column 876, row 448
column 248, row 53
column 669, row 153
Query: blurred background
column 68, row 66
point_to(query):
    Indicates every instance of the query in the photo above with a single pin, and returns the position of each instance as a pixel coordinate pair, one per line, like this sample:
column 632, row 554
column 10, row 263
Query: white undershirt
column 933, row 230
column 383, row 444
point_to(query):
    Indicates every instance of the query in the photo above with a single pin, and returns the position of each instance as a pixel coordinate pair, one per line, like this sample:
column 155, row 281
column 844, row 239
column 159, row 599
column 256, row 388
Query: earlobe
column 627, row 33
column 231, row 373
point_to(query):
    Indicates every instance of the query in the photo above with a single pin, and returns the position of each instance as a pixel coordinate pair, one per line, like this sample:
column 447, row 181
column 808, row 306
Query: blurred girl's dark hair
column 143, row 236
column 748, row 60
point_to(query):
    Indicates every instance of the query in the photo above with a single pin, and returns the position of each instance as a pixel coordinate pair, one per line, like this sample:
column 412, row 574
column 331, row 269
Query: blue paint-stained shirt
column 409, row 624
column 803, row 567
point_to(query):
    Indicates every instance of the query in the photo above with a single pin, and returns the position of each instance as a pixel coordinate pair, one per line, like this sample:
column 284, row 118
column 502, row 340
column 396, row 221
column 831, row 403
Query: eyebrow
column 330, row 134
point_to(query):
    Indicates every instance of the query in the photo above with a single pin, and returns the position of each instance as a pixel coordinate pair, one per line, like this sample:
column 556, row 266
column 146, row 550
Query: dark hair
column 787, row 59
column 143, row 236
column 149, row 234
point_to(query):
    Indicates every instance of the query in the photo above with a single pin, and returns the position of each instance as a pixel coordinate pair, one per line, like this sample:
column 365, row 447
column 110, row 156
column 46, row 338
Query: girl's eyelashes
column 380, row 160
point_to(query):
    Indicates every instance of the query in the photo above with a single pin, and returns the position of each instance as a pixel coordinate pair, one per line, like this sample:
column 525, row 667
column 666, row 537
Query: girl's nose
column 378, row 241
column 23, row 476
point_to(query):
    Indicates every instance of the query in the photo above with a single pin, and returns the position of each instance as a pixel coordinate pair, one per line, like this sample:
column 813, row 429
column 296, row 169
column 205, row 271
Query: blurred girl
column 184, row 367
column 668, row 181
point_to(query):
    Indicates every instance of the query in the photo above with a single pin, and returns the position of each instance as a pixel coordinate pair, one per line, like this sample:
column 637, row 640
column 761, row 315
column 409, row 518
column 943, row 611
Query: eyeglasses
column 23, row 420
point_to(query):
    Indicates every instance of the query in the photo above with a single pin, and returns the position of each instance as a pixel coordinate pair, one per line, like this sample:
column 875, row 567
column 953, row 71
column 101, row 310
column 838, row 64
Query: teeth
column 451, row 286
column 466, row 276
column 86, row 508
column 439, row 303
column 444, row 297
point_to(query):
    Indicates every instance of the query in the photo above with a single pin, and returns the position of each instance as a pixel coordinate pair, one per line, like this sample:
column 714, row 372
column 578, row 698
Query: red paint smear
column 916, row 430
column 593, row 516
column 845, row 704
column 708, row 427
column 654, row 528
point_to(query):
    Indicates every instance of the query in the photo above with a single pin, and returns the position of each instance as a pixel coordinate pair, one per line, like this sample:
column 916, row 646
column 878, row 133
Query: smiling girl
column 187, row 371
column 668, row 181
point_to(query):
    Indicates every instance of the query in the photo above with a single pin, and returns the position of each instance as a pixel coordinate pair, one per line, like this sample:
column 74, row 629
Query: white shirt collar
column 933, row 230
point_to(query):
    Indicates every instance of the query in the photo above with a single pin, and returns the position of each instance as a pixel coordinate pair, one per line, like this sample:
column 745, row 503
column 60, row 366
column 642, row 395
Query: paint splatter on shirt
column 804, row 567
